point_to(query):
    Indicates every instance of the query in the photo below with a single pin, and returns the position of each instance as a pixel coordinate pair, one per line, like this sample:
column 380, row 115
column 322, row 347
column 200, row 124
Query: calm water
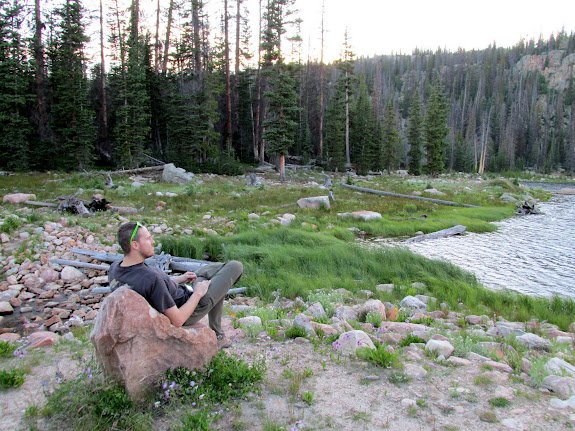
column 532, row 254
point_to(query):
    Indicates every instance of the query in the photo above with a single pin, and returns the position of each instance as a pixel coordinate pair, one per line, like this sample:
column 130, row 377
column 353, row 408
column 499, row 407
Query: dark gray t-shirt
column 150, row 282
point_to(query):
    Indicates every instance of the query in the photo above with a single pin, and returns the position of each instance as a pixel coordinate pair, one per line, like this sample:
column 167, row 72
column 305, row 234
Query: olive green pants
column 223, row 276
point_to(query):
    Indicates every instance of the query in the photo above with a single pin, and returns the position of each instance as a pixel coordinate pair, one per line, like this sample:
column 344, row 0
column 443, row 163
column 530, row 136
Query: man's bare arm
column 178, row 316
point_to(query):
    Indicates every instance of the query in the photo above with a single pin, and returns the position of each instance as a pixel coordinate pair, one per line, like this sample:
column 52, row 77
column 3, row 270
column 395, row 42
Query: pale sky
column 385, row 26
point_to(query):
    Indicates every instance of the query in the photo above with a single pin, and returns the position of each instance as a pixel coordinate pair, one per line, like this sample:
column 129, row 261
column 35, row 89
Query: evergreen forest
column 192, row 90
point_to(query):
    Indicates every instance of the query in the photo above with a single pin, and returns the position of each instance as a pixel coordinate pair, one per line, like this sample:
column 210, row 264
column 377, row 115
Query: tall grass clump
column 10, row 224
column 223, row 379
column 90, row 402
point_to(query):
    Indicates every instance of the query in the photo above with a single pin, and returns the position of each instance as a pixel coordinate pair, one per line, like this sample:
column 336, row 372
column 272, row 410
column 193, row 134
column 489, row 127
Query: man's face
column 145, row 243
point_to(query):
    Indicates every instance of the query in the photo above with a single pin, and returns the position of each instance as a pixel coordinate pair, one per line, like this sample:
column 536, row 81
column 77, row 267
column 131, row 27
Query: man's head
column 134, row 237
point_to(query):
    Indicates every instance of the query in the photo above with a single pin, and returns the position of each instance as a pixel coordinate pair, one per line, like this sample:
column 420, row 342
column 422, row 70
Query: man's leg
column 213, row 302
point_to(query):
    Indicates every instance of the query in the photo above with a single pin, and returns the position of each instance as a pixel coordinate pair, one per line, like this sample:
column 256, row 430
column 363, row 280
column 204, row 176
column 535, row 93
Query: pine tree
column 335, row 129
column 16, row 132
column 72, row 119
column 281, row 125
column 347, row 78
column 414, row 136
column 390, row 138
column 435, row 130
column 362, row 132
column 132, row 128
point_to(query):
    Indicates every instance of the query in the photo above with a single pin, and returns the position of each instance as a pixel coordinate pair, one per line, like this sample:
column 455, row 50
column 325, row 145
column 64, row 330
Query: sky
column 385, row 26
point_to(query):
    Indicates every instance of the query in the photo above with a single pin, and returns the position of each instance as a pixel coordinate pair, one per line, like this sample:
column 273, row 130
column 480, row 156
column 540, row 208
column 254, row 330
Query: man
column 182, row 307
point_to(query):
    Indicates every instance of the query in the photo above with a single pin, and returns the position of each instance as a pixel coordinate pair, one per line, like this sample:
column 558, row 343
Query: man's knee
column 236, row 268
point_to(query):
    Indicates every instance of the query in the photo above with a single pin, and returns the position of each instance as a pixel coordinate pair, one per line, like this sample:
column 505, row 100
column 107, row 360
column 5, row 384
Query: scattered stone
column 349, row 342
column 253, row 216
column 71, row 275
column 560, row 367
column 560, row 404
column 316, row 310
column 363, row 215
column 136, row 344
column 408, row 402
column 5, row 308
column 250, row 321
column 412, row 302
column 440, row 347
column 564, row 387
column 415, row 371
column 10, row 337
column 433, row 192
column 374, row 306
column 533, row 341
column 385, row 288
column 506, row 197
column 460, row 362
column 41, row 339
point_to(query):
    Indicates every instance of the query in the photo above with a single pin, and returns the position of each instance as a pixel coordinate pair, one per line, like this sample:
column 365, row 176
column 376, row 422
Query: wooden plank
column 80, row 264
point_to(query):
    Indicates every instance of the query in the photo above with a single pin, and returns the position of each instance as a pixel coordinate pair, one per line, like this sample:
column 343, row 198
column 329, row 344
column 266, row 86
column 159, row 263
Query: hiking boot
column 223, row 342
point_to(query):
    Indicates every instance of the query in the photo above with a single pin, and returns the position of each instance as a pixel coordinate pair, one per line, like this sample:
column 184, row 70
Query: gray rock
column 384, row 288
column 560, row 367
column 418, row 285
column 70, row 275
column 412, row 302
column 564, row 387
column 250, row 321
column 304, row 322
column 441, row 347
column 433, row 192
column 314, row 202
column 415, row 371
column 533, row 341
column 559, row 404
column 171, row 174
column 316, row 310
column 5, row 308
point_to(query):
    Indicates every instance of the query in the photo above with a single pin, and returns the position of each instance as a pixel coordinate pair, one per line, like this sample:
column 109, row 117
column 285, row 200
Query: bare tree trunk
column 282, row 167
column 321, row 77
column 258, row 132
column 104, row 108
column 347, row 156
column 40, row 70
column 197, row 41
column 228, row 133
column 167, row 41
column 157, row 46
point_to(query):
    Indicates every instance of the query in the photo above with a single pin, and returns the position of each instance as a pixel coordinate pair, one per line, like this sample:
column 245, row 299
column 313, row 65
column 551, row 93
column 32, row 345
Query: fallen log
column 397, row 195
column 455, row 230
column 180, row 264
column 41, row 204
column 136, row 170
column 80, row 264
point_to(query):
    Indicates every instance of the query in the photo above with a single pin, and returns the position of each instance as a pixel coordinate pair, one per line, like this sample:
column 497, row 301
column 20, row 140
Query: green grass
column 297, row 263
column 499, row 402
column 295, row 332
column 410, row 338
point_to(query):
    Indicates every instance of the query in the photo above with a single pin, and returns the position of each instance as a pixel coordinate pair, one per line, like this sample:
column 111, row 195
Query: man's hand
column 186, row 277
column 201, row 288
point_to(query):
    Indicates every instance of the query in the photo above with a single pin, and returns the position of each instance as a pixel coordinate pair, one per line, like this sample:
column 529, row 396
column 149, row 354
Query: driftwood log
column 180, row 264
column 397, row 195
column 74, row 205
column 455, row 230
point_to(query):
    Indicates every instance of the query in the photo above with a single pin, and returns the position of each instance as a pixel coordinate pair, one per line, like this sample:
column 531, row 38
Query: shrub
column 10, row 224
column 499, row 402
column 378, row 356
column 225, row 377
column 6, row 349
column 374, row 318
column 295, row 332
column 411, row 339
column 11, row 378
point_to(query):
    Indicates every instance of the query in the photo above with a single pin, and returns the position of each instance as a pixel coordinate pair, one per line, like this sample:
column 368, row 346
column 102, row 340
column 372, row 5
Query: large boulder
column 171, row 174
column 314, row 202
column 136, row 345
column 349, row 342
column 71, row 275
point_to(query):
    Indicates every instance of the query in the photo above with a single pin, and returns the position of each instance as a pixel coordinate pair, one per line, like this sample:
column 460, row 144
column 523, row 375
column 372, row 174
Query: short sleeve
column 160, row 297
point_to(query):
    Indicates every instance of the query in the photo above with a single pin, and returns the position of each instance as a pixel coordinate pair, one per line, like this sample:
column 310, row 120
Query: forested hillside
column 192, row 92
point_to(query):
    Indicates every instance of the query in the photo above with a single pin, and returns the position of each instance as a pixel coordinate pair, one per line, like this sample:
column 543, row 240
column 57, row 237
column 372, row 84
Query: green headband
column 138, row 224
